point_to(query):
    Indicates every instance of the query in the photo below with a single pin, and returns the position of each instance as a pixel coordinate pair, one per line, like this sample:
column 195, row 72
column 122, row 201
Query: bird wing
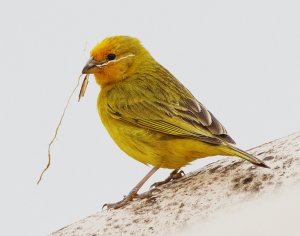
column 166, row 107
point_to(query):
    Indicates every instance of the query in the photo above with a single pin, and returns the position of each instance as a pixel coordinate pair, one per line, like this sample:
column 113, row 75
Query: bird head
column 115, row 59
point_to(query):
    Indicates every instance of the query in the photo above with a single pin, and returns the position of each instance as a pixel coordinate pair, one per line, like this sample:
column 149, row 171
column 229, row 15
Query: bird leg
column 133, row 193
column 175, row 174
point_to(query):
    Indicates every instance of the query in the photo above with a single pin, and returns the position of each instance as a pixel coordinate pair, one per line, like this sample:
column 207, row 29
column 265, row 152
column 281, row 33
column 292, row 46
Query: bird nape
column 150, row 115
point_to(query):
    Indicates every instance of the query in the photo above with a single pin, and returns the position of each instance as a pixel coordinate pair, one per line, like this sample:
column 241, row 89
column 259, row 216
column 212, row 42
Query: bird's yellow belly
column 154, row 148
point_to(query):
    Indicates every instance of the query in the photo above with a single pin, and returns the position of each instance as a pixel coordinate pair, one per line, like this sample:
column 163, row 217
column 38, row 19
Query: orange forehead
column 100, row 50
column 116, row 45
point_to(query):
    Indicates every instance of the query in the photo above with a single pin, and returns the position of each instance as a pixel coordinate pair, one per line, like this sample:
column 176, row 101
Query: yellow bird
column 150, row 115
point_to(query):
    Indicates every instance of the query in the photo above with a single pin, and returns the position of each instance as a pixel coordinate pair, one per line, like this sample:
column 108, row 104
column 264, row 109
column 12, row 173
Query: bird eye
column 111, row 56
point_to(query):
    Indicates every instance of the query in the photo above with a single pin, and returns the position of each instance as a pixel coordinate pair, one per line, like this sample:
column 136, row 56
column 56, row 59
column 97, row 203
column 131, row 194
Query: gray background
column 240, row 58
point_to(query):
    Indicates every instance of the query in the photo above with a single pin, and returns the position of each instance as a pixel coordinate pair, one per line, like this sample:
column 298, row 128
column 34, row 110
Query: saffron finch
column 150, row 115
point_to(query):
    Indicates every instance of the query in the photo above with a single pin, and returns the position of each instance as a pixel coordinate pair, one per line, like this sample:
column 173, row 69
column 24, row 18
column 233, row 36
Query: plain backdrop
column 239, row 58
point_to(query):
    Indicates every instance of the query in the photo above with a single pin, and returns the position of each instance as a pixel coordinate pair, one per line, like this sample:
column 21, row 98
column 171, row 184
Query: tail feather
column 234, row 151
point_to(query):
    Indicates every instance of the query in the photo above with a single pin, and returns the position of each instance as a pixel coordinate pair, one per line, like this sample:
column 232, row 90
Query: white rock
column 201, row 196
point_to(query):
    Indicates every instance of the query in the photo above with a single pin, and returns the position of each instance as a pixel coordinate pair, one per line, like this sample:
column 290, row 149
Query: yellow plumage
column 149, row 113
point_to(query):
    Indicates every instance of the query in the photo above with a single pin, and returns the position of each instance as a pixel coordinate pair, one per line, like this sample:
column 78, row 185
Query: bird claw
column 179, row 175
column 119, row 204
column 147, row 194
column 173, row 176
column 128, row 199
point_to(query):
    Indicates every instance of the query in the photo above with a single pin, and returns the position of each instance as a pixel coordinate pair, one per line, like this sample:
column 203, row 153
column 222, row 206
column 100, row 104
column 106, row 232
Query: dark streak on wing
column 196, row 114
column 227, row 138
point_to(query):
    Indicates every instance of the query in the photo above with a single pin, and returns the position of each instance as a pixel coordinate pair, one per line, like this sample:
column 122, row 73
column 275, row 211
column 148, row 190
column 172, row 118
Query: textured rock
column 199, row 195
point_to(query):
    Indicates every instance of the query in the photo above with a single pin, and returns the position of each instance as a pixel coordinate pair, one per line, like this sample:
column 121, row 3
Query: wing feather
column 166, row 107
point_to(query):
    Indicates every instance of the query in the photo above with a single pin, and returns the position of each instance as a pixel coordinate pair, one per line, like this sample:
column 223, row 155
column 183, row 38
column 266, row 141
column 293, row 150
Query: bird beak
column 91, row 67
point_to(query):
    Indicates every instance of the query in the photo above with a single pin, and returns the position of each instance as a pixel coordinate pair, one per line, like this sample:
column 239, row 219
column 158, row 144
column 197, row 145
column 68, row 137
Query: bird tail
column 234, row 151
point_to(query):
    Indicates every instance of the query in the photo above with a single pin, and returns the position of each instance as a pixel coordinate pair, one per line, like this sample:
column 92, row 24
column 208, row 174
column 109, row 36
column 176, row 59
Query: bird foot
column 129, row 198
column 175, row 174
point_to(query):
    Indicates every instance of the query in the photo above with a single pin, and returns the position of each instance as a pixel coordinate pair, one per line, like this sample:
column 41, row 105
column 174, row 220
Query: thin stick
column 83, row 87
column 56, row 131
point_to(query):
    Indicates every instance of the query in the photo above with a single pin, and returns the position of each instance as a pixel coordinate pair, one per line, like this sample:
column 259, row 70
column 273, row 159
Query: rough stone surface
column 199, row 195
